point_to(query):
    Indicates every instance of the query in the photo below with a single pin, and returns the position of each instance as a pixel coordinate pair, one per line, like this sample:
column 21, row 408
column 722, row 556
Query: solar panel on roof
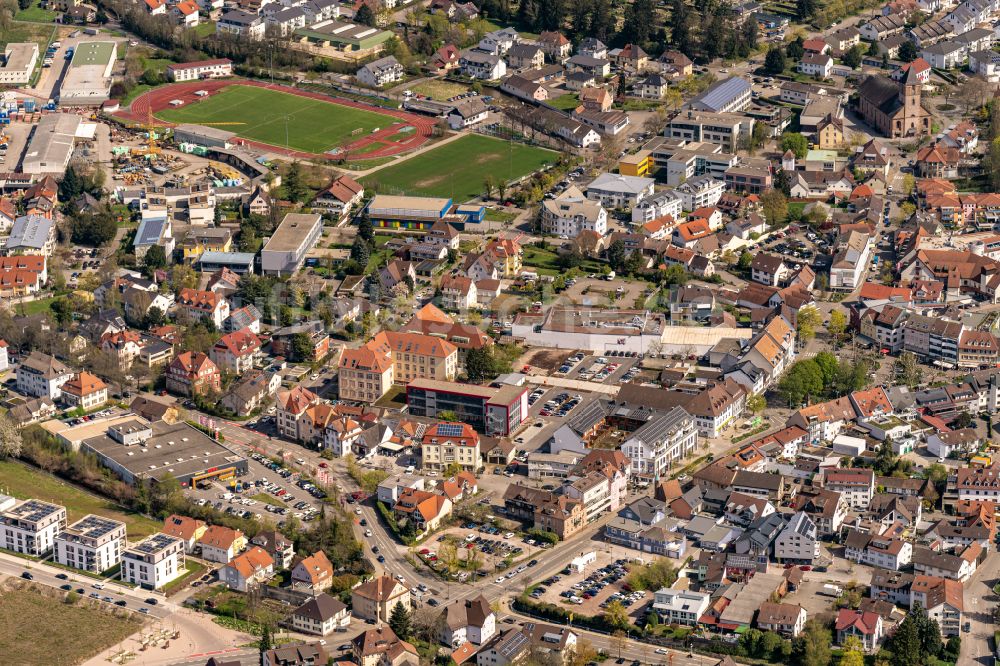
column 450, row 430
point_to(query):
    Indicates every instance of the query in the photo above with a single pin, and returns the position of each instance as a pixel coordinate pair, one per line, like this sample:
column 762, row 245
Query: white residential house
column 154, row 561
column 93, row 543
column 247, row 570
column 570, row 213
column 480, row 65
column 613, row 190
column 42, row 376
column 468, row 621
column 682, row 607
column 799, row 541
column 31, row 527
column 381, row 72
column 819, row 65
column 661, row 204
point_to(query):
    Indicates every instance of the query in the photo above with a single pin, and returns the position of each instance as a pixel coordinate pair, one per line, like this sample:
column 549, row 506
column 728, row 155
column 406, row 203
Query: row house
column 958, row 567
column 886, row 552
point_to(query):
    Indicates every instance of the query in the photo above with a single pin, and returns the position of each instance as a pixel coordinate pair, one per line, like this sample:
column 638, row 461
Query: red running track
column 159, row 99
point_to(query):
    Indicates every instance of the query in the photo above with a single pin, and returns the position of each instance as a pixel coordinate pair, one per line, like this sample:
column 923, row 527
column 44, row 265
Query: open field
column 28, row 32
column 34, row 12
column 72, row 632
column 458, row 169
column 24, row 482
column 260, row 114
column 439, row 90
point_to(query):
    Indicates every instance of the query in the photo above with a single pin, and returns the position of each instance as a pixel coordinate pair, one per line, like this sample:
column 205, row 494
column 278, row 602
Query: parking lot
column 267, row 491
column 599, row 291
column 502, row 553
column 593, row 589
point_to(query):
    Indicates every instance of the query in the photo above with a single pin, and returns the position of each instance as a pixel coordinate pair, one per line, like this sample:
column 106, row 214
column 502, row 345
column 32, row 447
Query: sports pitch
column 459, row 169
column 314, row 126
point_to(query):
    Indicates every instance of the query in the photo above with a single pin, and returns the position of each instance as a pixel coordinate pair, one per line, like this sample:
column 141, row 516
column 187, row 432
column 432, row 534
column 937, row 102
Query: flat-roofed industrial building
column 19, row 60
column 286, row 250
column 87, row 81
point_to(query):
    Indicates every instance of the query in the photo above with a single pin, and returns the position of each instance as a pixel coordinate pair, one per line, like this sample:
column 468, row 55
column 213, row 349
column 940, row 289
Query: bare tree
column 10, row 437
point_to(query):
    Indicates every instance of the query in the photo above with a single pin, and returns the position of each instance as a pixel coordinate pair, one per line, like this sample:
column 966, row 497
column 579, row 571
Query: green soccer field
column 459, row 169
column 314, row 126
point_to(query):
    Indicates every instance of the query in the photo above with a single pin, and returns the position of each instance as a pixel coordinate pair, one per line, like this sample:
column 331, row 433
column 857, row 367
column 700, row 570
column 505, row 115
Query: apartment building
column 221, row 544
column 93, row 543
column 559, row 514
column 85, row 391
column 291, row 408
column 857, row 486
column 154, row 561
column 236, row 352
column 932, row 338
column 368, row 372
column 661, row 441
column 682, row 607
column 247, row 570
column 799, row 541
column 31, row 527
column 193, row 373
column 321, row 615
column 447, row 444
column 570, row 213
column 42, row 376
column 721, row 129
column 942, row 599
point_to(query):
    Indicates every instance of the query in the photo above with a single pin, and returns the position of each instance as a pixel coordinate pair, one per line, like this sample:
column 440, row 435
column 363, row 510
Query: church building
column 892, row 108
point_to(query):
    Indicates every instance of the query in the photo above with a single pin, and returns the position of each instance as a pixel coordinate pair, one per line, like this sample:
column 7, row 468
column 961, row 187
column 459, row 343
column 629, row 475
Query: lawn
column 39, row 33
column 544, row 262
column 35, row 13
column 136, row 91
column 73, row 633
column 458, row 169
column 37, row 306
column 194, row 571
column 312, row 125
column 25, row 482
column 267, row 498
column 158, row 65
column 205, row 29
column 439, row 90
column 566, row 102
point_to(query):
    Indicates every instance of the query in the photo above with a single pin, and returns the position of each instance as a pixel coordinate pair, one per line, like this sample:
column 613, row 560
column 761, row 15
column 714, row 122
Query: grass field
column 439, row 90
column 566, row 102
column 24, row 482
column 458, row 169
column 313, row 126
column 73, row 633
column 35, row 13
column 27, row 32
column 545, row 262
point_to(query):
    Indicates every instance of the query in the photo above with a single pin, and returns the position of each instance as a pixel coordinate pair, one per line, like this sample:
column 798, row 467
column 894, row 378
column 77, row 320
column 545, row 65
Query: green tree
column 360, row 252
column 774, row 206
column 745, row 260
column 795, row 142
column 264, row 644
column 853, row 57
column 838, row 324
column 756, row 404
column 774, row 61
column 808, row 321
column 617, row 255
column 479, row 364
column 812, row 646
column 155, row 258
column 62, row 310
column 295, row 186
column 365, row 229
column 71, row 186
column 805, row 9
column 854, row 652
column 795, row 49
column 908, row 370
column 908, row 52
column 365, row 16
column 616, row 616
column 303, row 348
column 399, row 621
column 905, row 643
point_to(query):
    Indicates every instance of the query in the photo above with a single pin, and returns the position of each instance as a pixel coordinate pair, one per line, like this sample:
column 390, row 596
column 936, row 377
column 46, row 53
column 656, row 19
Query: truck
column 610, row 276
column 830, row 590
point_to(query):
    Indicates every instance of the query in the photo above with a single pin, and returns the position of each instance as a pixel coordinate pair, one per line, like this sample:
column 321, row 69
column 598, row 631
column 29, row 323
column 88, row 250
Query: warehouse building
column 421, row 213
column 286, row 249
column 137, row 449
column 51, row 144
column 19, row 62
column 343, row 36
column 87, row 81
column 209, row 137
column 495, row 412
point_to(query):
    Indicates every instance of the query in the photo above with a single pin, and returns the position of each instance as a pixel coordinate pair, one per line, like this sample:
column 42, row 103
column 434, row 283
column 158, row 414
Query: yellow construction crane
column 151, row 146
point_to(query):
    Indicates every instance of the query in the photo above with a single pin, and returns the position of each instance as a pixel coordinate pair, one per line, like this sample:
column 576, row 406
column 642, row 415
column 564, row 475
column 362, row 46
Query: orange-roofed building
column 423, row 509
column 446, row 444
column 236, row 352
column 199, row 304
column 248, row 570
column 367, row 373
column 221, row 544
column 339, row 197
column 291, row 408
column 314, row 573
column 185, row 528
column 86, row 391
column 193, row 373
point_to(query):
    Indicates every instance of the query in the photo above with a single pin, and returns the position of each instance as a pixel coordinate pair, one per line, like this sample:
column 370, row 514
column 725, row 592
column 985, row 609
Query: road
column 45, row 574
column 979, row 602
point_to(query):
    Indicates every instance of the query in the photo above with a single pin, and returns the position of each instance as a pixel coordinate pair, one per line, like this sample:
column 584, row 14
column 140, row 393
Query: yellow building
column 211, row 239
column 638, row 164
column 506, row 255
column 367, row 373
column 830, row 133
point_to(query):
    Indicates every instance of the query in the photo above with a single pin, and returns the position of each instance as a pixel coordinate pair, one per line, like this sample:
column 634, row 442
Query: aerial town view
column 499, row 332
